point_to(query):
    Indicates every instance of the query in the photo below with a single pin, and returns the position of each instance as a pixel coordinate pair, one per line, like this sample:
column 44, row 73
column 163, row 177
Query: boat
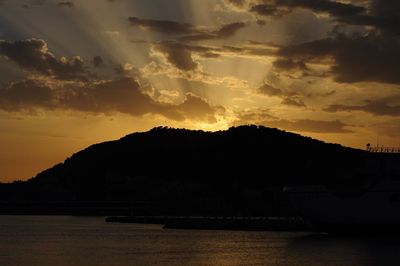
column 368, row 202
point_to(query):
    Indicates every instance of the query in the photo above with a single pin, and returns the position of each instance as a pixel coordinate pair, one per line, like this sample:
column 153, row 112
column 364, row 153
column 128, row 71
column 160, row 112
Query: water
column 50, row 240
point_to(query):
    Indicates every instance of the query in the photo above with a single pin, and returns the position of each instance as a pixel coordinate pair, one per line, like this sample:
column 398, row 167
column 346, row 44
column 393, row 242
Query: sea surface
column 83, row 241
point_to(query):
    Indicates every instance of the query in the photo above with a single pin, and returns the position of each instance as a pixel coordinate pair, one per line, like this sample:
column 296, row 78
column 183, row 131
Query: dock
column 287, row 224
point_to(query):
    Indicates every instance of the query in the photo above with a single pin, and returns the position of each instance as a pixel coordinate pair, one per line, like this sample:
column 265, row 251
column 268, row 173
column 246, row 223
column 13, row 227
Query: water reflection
column 36, row 240
column 325, row 249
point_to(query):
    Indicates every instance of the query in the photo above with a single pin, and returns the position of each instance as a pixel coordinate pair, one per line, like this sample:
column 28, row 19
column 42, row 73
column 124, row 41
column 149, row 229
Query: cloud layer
column 33, row 55
column 123, row 95
column 294, row 58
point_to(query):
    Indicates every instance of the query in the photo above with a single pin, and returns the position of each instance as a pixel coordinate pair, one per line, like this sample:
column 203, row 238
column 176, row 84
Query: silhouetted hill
column 243, row 166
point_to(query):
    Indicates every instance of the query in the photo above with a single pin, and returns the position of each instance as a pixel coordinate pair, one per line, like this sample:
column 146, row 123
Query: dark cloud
column 123, row 95
column 224, row 32
column 359, row 58
column 288, row 97
column 195, row 108
column 381, row 14
column 24, row 95
column 119, row 69
column 389, row 106
column 164, row 26
column 252, row 49
column 66, row 4
column 187, row 31
column 261, row 22
column 389, row 24
column 289, row 64
column 333, row 8
column 293, row 102
column 388, row 8
column 269, row 10
column 282, row 7
column 384, row 15
column 178, row 55
column 98, row 61
column 229, row 30
column 33, row 55
column 270, row 90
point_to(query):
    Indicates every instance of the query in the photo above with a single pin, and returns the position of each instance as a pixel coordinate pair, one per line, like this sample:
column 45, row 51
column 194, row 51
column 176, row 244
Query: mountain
column 242, row 168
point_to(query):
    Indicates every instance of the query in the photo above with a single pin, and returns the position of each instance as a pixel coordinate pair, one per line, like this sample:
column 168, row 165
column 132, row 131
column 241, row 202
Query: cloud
column 122, row 95
column 359, row 58
column 389, row 106
column 226, row 31
column 66, row 4
column 277, row 8
column 26, row 94
column 187, row 31
column 177, row 54
column 164, row 26
column 270, row 90
column 381, row 14
column 195, row 108
column 98, row 61
column 229, row 30
column 126, row 70
column 333, row 8
column 180, row 54
column 33, row 55
column 269, row 10
column 289, row 64
column 288, row 97
column 388, row 8
column 293, row 102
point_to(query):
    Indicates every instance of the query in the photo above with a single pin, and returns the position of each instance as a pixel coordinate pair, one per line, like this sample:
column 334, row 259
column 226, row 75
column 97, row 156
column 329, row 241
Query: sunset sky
column 74, row 73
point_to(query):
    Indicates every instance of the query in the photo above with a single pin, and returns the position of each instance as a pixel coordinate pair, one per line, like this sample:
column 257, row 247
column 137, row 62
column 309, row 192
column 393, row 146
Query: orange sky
column 74, row 73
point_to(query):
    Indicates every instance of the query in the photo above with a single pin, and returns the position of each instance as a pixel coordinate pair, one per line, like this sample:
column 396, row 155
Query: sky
column 74, row 73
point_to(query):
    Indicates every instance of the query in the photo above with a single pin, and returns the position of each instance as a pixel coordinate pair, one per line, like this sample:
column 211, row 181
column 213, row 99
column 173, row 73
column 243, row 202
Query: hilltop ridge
column 166, row 165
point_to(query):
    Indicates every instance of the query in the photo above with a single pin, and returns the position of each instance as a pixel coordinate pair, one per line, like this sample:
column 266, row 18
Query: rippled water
column 50, row 240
